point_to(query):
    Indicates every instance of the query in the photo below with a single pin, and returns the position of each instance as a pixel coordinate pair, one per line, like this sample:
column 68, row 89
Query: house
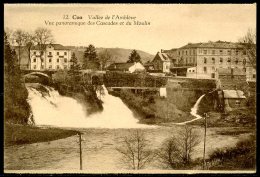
column 233, row 99
column 126, row 67
column 202, row 60
column 49, row 57
column 161, row 62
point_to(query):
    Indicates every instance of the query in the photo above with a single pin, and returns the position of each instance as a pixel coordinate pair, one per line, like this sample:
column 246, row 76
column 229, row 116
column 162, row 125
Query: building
column 50, row 57
column 126, row 67
column 202, row 60
column 161, row 62
column 233, row 99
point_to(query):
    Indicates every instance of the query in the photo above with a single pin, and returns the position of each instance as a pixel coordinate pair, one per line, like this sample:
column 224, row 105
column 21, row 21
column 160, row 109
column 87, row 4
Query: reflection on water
column 98, row 150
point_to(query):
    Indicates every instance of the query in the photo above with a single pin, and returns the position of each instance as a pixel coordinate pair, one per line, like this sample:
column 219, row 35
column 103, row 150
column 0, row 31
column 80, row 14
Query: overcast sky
column 171, row 26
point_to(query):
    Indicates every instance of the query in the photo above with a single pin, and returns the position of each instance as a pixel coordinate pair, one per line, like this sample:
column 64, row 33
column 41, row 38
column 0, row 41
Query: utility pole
column 80, row 151
column 205, row 133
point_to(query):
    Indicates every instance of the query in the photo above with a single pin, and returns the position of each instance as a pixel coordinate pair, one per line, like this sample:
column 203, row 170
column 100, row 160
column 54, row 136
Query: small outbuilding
column 233, row 99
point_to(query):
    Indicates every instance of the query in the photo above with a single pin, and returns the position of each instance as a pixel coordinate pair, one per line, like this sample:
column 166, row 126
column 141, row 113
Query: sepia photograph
column 129, row 88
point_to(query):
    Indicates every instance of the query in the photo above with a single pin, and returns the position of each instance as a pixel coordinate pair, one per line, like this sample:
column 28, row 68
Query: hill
column 118, row 54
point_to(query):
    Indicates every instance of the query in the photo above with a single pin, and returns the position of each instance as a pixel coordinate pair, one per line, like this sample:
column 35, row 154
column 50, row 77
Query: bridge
column 43, row 76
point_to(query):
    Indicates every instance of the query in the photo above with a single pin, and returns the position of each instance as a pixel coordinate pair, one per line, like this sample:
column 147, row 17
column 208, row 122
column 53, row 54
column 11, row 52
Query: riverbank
column 152, row 109
column 15, row 134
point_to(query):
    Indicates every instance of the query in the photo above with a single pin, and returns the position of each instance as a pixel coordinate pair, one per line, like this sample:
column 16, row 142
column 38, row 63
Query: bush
column 242, row 156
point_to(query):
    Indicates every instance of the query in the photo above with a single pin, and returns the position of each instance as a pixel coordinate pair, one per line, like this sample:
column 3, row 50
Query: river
column 102, row 134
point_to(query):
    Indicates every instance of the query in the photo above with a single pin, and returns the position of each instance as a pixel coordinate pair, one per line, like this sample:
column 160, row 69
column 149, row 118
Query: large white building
column 50, row 57
column 202, row 60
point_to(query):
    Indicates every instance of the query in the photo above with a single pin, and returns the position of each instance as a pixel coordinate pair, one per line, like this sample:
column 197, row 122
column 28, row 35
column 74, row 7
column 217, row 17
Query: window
column 49, row 60
column 41, row 52
column 50, row 66
column 34, row 66
column 244, row 52
column 58, row 60
column 58, row 53
column 58, row 67
column 220, row 52
column 65, row 60
column 254, row 76
column 229, row 60
column 204, row 51
column 213, row 60
column 193, row 60
column 237, row 52
column 205, row 69
column 186, row 52
column 229, row 52
column 213, row 52
column 65, row 53
column 205, row 60
column 237, row 102
column 49, row 53
column 193, row 70
column 34, row 60
column 221, row 60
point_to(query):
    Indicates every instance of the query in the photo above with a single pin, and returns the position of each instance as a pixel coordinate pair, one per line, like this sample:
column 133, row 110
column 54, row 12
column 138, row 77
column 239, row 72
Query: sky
column 171, row 25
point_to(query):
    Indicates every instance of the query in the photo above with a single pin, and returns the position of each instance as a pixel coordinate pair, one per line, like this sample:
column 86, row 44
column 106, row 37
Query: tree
column 16, row 108
column 249, row 43
column 104, row 57
column 19, row 38
column 188, row 140
column 135, row 151
column 134, row 57
column 74, row 63
column 176, row 151
column 43, row 36
column 90, row 58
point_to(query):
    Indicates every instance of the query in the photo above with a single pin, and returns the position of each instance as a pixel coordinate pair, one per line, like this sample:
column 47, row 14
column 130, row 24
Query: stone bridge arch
column 43, row 77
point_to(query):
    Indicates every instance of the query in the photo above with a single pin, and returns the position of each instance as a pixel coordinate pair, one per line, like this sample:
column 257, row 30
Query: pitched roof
column 55, row 46
column 163, row 56
column 217, row 44
column 233, row 94
column 120, row 66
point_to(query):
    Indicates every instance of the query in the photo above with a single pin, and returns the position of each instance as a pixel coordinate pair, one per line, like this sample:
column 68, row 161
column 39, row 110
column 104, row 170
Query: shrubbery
column 242, row 156
column 119, row 79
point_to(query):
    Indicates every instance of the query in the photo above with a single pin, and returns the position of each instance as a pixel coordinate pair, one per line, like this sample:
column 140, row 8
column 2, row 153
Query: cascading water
column 194, row 112
column 50, row 108
column 194, row 109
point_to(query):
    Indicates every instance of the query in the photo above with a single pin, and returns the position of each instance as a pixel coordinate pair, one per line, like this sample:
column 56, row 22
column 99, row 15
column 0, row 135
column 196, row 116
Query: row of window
column 221, row 52
column 50, row 60
column 50, row 53
column 228, row 60
column 50, row 67
column 213, row 52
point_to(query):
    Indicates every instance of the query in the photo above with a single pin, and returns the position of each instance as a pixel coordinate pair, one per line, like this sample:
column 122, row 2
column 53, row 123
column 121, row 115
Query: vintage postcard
column 130, row 88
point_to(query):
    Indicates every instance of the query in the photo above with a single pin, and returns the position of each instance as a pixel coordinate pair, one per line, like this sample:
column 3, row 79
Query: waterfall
column 194, row 112
column 51, row 109
column 194, row 109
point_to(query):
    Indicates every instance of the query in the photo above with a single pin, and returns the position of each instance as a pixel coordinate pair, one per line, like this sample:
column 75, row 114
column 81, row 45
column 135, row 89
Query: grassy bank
column 20, row 134
column 153, row 109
